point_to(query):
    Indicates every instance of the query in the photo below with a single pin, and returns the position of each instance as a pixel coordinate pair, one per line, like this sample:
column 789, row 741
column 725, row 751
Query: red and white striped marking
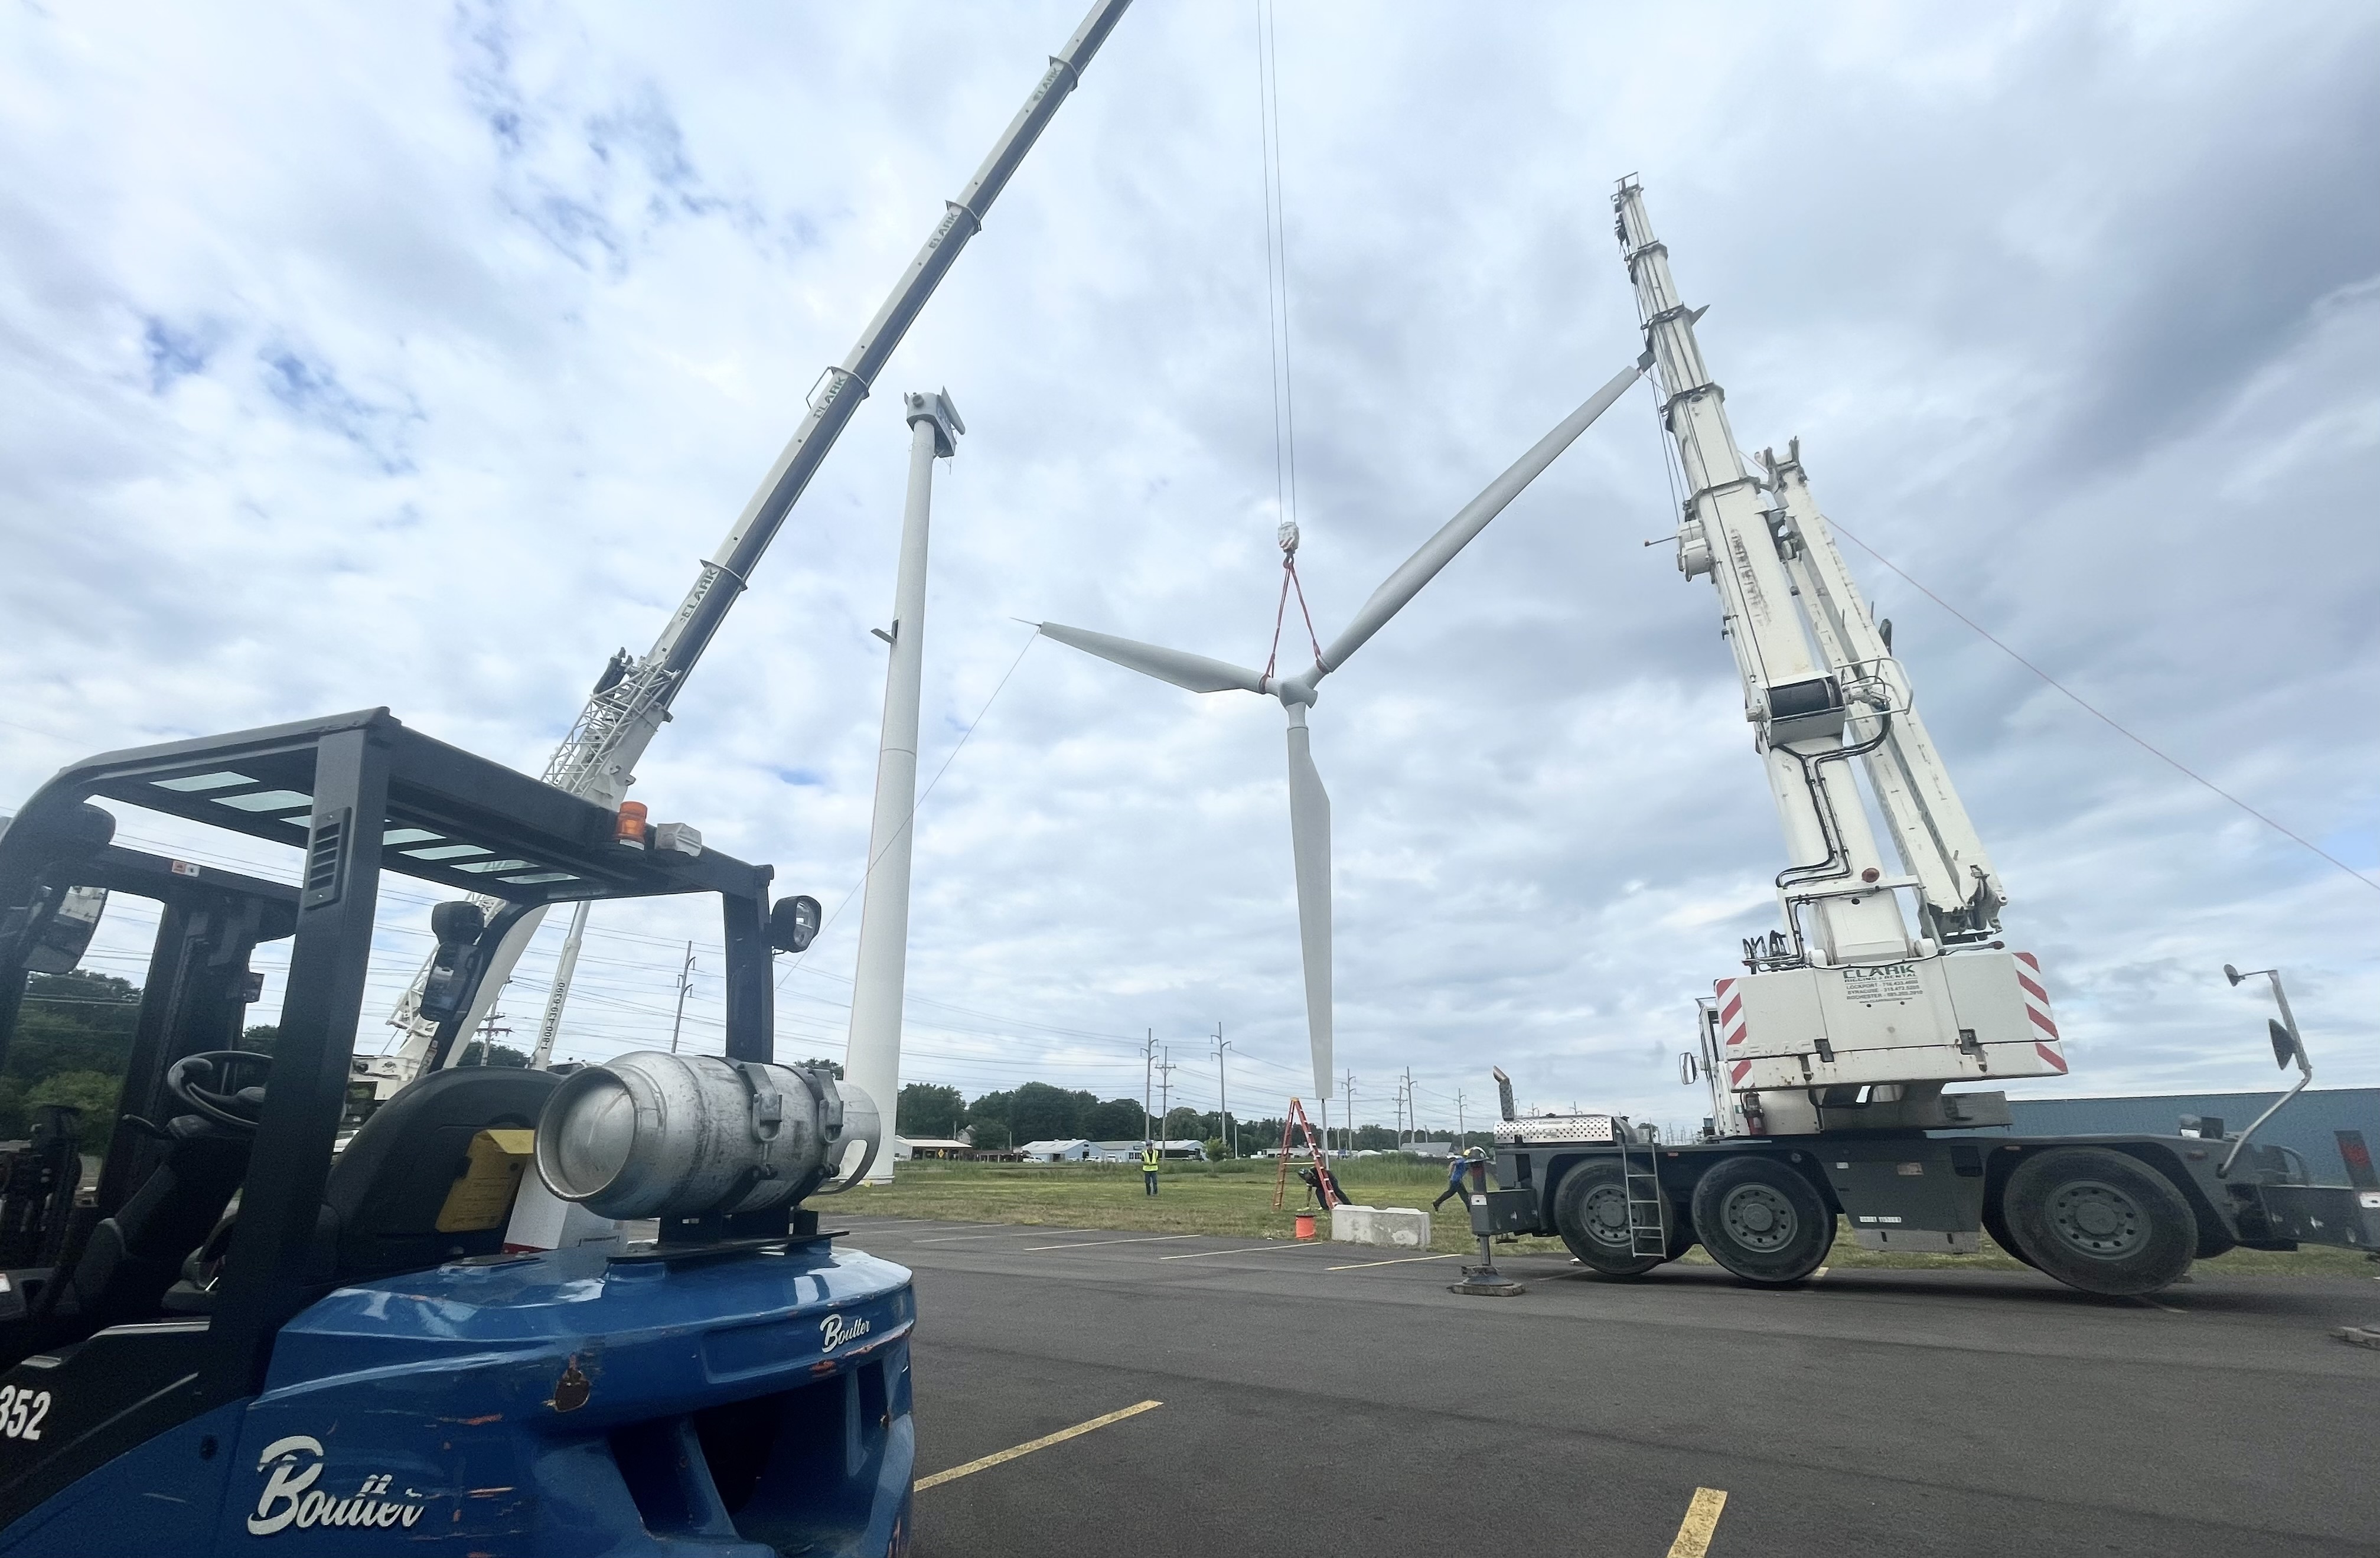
column 2037, row 1006
column 1730, row 1026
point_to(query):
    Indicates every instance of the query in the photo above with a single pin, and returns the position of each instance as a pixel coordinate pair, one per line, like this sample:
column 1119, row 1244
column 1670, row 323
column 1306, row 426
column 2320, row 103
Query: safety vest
column 1148, row 1160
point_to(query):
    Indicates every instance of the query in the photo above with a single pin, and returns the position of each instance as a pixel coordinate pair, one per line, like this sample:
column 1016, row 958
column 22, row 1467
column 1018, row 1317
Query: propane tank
column 657, row 1135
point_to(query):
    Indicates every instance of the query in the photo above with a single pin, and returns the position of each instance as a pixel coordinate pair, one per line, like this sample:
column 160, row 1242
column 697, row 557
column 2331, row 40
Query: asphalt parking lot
column 1329, row 1399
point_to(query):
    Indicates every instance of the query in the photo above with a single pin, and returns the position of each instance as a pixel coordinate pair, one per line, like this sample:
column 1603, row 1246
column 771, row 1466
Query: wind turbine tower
column 872, row 1058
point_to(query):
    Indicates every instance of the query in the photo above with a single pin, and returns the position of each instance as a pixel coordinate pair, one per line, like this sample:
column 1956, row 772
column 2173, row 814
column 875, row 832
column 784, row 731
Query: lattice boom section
column 1556, row 1128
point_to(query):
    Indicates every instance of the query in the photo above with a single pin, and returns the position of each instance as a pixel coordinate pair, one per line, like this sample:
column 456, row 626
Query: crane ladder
column 1648, row 1208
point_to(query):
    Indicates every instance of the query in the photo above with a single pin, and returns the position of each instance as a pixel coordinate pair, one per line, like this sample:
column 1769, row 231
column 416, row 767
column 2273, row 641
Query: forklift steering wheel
column 236, row 1110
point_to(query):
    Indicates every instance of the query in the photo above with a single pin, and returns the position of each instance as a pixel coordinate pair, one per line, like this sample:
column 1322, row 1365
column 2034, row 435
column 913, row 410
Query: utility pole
column 684, row 980
column 1460, row 1130
column 1350, row 1127
column 487, row 1031
column 1222, row 1093
column 872, row 1058
column 1147, row 1059
column 1164, row 1098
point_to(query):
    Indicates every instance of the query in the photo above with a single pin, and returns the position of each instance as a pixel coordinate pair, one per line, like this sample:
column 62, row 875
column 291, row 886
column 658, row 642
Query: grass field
column 1235, row 1199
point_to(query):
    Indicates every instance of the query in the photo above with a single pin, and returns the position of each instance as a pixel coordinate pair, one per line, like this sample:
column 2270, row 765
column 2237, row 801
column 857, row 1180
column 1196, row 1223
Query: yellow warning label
column 482, row 1194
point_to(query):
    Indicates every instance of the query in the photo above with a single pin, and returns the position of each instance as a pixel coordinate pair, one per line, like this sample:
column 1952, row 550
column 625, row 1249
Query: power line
column 2104, row 718
column 916, row 804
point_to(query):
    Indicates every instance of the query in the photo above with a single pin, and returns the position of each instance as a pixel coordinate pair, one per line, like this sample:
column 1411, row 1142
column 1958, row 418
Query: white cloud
column 415, row 359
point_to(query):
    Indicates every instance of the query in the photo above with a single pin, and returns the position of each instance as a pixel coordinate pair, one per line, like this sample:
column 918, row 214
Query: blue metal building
column 2306, row 1124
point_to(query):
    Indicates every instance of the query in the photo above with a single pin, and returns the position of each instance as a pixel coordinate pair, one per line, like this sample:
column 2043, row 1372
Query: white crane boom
column 1847, row 1008
column 598, row 758
column 1959, row 893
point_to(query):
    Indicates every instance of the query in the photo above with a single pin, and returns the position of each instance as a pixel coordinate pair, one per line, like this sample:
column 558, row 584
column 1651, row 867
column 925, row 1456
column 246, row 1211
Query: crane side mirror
column 1690, row 1070
column 2286, row 1047
column 793, row 923
column 2234, row 975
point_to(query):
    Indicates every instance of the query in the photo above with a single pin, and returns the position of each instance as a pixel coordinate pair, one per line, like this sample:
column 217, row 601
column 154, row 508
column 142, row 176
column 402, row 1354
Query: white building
column 1075, row 1151
column 907, row 1147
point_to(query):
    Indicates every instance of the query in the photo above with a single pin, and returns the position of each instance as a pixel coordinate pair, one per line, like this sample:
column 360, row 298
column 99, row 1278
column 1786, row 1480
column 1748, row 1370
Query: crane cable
column 2104, row 718
column 1277, row 331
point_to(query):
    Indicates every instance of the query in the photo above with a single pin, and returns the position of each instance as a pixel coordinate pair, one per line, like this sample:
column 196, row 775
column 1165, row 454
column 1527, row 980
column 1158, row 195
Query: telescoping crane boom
column 631, row 699
column 1848, row 996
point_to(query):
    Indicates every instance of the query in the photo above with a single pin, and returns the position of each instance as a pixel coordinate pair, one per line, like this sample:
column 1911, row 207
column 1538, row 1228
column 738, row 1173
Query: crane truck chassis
column 2108, row 1214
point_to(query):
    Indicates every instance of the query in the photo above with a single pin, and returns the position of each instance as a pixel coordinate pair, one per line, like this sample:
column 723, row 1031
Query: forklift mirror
column 458, row 923
column 2285, row 1045
column 446, row 987
column 793, row 923
column 67, row 935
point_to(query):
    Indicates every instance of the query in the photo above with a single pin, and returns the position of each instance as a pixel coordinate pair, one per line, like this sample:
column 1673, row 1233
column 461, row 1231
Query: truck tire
column 1762, row 1220
column 2099, row 1221
column 1591, row 1210
column 1996, row 1225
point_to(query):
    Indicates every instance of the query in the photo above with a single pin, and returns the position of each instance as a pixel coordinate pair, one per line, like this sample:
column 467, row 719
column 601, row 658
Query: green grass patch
column 1234, row 1200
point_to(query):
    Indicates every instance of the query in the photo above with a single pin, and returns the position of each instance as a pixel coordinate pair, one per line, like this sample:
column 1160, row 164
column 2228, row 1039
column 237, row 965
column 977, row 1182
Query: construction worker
column 1149, row 1158
column 1455, row 1164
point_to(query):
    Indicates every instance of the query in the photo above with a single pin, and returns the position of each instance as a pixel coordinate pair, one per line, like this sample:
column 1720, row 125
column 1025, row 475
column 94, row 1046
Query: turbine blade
column 1309, row 837
column 1436, row 552
column 1195, row 672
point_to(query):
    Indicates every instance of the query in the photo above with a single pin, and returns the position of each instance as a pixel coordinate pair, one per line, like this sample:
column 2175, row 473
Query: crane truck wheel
column 2100, row 1221
column 1762, row 1220
column 1591, row 1210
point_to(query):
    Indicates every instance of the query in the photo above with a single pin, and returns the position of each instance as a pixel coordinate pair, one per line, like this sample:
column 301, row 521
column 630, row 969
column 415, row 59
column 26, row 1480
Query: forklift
column 257, row 1329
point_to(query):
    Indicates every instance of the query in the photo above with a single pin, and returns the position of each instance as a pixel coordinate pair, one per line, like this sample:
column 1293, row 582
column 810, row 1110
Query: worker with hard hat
column 1455, row 1163
column 1149, row 1157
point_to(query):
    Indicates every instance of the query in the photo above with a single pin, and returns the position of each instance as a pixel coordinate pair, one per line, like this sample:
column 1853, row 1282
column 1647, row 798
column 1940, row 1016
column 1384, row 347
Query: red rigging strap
column 1280, row 611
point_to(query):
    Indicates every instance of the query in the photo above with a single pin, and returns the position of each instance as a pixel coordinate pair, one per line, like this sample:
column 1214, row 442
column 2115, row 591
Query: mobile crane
column 1828, row 1060
column 631, row 699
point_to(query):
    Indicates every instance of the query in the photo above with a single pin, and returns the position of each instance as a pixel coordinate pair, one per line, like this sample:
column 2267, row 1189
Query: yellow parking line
column 1400, row 1260
column 1153, row 1238
column 1702, row 1519
column 1041, row 1444
column 1251, row 1249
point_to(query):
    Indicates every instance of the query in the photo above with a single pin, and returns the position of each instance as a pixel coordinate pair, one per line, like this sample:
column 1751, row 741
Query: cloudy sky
column 415, row 356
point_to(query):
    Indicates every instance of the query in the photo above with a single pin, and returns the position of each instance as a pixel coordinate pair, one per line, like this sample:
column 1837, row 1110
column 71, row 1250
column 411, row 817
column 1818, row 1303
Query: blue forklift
column 257, row 1330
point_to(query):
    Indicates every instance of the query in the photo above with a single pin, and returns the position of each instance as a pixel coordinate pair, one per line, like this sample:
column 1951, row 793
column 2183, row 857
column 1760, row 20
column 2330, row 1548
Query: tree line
column 1039, row 1112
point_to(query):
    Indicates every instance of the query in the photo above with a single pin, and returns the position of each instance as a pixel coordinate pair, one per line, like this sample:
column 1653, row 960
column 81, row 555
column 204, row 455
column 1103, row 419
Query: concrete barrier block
column 1391, row 1227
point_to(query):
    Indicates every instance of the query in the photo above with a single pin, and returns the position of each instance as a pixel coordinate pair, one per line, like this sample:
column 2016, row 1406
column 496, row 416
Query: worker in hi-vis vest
column 1148, row 1156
